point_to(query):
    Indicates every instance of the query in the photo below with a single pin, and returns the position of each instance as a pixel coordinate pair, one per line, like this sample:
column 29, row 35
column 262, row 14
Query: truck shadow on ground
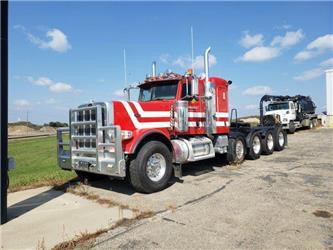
column 120, row 186
column 189, row 169
column 31, row 203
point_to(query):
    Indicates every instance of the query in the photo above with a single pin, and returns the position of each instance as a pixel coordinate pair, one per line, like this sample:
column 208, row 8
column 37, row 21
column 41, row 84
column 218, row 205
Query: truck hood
column 282, row 113
column 133, row 115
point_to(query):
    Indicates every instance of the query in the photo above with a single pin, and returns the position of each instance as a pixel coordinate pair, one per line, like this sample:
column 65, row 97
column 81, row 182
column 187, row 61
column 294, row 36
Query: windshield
column 278, row 106
column 166, row 90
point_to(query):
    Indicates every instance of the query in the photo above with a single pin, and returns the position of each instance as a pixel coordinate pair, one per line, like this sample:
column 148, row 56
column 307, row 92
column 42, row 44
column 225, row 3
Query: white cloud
column 305, row 55
column 260, row 54
column 316, row 72
column 57, row 87
column 22, row 103
column 198, row 62
column 248, row 41
column 309, row 75
column 57, row 40
column 41, row 81
column 165, row 58
column 322, row 43
column 119, row 93
column 251, row 107
column 289, row 39
column 60, row 87
column 258, row 90
column 327, row 63
column 316, row 47
column 182, row 62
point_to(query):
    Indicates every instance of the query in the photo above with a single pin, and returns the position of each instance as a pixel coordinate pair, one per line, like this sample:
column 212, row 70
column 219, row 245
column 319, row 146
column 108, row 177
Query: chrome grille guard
column 94, row 143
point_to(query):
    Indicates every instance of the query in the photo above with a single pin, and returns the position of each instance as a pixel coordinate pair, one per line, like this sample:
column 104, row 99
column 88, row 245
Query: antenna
column 125, row 70
column 192, row 50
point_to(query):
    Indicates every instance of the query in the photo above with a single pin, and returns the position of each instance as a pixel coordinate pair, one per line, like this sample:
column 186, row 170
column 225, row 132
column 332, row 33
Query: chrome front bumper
column 94, row 145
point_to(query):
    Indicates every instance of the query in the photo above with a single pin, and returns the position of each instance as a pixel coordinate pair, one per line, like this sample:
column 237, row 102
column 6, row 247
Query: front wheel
column 236, row 150
column 151, row 170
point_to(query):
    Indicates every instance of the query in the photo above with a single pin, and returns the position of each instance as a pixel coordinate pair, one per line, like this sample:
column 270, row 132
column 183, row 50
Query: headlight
column 126, row 134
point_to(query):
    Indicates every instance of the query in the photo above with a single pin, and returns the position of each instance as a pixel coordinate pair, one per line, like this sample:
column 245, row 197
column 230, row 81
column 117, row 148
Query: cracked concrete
column 280, row 201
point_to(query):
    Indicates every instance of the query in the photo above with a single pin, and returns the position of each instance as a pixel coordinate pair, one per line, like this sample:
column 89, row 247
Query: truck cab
column 177, row 119
column 285, row 110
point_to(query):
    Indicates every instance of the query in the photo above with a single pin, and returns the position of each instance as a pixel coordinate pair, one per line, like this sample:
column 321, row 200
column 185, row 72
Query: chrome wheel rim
column 256, row 145
column 156, row 167
column 270, row 142
column 239, row 149
column 311, row 124
column 281, row 139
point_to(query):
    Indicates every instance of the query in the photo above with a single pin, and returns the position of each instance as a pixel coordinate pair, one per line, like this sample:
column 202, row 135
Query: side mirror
column 195, row 87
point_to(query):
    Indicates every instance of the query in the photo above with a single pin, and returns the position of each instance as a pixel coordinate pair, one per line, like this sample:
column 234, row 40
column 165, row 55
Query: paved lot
column 43, row 217
column 280, row 201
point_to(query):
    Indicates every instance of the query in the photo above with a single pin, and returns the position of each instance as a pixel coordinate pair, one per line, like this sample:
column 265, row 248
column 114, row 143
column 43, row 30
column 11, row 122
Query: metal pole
column 125, row 70
column 192, row 50
column 27, row 122
column 4, row 110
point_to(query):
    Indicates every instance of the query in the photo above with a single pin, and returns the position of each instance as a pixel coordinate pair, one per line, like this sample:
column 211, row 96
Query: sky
column 63, row 54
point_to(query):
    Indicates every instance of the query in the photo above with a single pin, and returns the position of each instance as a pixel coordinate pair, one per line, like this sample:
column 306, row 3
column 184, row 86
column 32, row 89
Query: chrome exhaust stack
column 153, row 69
column 206, row 64
column 210, row 101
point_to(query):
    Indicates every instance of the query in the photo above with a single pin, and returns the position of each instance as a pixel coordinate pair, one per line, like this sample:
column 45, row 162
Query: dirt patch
column 82, row 191
column 57, row 185
column 87, row 239
column 322, row 213
column 48, row 129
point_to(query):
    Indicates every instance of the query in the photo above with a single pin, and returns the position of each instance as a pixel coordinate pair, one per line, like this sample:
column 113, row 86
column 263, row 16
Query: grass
column 36, row 164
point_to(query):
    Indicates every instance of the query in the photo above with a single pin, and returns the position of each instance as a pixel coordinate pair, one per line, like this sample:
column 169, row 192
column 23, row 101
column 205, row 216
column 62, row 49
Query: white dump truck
column 292, row 112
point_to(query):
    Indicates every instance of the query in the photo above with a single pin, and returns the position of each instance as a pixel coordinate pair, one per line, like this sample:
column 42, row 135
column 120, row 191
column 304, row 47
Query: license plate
column 84, row 164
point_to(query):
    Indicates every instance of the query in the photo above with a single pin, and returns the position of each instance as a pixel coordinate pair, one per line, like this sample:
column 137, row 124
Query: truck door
column 292, row 111
column 196, row 110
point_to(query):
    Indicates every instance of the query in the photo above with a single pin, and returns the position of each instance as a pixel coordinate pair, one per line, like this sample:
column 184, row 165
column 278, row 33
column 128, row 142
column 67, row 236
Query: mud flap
column 178, row 170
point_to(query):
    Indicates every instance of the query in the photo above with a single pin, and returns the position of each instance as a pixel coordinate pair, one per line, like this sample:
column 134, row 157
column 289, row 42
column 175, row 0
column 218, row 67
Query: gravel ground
column 284, row 200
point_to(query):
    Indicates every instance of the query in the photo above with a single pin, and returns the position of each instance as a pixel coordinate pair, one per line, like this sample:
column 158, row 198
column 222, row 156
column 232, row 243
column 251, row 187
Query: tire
column 86, row 176
column 142, row 173
column 292, row 128
column 315, row 123
column 236, row 144
column 255, row 147
column 280, row 139
column 268, row 143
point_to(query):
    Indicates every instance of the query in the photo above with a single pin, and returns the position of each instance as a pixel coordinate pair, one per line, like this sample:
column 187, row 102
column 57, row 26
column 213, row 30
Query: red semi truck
column 177, row 119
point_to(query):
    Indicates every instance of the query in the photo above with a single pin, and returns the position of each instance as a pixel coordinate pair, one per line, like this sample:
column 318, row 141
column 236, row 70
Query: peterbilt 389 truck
column 177, row 119
column 292, row 112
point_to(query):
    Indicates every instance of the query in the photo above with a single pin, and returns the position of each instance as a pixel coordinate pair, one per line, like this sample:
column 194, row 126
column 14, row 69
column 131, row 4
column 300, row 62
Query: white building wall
column 329, row 97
